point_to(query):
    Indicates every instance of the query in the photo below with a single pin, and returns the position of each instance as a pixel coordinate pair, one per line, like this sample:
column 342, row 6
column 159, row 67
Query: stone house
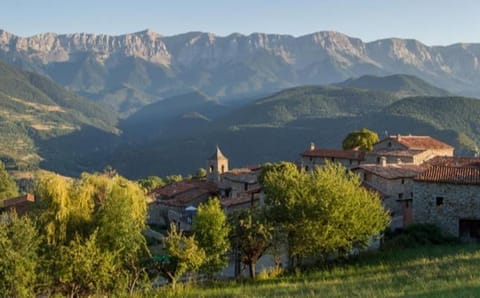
column 394, row 182
column 177, row 201
column 408, row 149
column 317, row 157
column 447, row 194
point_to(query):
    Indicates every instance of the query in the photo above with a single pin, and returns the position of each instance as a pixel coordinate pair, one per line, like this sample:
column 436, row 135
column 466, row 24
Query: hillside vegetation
column 281, row 126
column 400, row 84
column 33, row 107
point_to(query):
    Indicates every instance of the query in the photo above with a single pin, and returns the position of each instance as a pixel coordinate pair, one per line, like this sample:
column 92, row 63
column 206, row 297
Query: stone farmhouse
column 418, row 179
column 177, row 202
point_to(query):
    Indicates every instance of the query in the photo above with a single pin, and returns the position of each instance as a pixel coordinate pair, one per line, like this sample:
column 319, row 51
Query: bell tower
column 217, row 164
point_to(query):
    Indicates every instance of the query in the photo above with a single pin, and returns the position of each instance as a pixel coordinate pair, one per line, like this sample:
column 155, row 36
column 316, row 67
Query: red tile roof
column 453, row 161
column 243, row 199
column 420, row 142
column 335, row 153
column 183, row 192
column 451, row 175
column 21, row 204
column 177, row 188
column 393, row 171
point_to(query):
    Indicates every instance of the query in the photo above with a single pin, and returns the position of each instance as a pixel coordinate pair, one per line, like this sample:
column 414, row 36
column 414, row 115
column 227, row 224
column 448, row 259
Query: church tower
column 217, row 164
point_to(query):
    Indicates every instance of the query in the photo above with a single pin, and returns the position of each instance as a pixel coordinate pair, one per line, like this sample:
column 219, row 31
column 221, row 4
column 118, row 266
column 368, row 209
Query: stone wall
column 395, row 189
column 457, row 202
column 309, row 163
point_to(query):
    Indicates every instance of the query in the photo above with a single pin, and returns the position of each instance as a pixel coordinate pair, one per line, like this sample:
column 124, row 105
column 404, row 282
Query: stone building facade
column 317, row 157
column 448, row 196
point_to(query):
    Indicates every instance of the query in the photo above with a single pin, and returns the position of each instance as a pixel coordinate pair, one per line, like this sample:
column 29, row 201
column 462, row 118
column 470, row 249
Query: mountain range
column 129, row 71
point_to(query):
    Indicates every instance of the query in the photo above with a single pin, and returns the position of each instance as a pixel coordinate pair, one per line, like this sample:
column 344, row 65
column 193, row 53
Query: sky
column 433, row 22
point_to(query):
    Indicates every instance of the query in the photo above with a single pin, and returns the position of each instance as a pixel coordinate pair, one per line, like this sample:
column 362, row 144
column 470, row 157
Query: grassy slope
column 441, row 271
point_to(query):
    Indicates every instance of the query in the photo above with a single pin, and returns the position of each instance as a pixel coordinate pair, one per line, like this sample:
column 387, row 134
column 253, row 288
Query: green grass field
column 435, row 271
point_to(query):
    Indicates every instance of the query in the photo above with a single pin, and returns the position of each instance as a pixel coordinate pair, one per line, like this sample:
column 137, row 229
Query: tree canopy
column 322, row 212
column 8, row 187
column 211, row 230
column 363, row 139
column 92, row 228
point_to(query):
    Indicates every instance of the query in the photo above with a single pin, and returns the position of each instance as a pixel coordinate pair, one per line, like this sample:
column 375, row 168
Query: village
column 418, row 179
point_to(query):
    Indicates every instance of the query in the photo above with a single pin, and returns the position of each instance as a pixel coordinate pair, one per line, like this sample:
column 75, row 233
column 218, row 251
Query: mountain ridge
column 154, row 66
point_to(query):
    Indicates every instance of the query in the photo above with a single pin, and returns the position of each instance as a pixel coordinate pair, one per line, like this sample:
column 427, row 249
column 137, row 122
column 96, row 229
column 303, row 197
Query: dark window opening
column 306, row 168
column 403, row 181
column 245, row 186
column 332, row 158
column 378, row 160
column 223, row 169
column 211, row 169
column 439, row 201
column 389, row 144
column 400, row 195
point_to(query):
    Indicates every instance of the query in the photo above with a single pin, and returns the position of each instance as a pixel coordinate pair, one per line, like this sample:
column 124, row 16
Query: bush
column 417, row 235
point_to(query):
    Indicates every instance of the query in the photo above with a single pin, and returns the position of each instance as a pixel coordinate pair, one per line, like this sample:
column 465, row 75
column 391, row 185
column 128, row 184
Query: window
column 332, row 158
column 439, row 201
column 211, row 169
column 403, row 181
column 351, row 162
column 400, row 195
column 378, row 160
column 306, row 168
column 310, row 158
column 223, row 168
column 245, row 186
column 389, row 144
column 411, row 194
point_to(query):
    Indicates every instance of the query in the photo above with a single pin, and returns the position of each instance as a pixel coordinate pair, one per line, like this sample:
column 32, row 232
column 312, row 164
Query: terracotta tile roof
column 393, row 171
column 183, row 192
column 241, row 175
column 452, row 161
column 243, row 199
column 420, row 142
column 451, row 175
column 335, row 153
column 176, row 188
column 186, row 198
column 21, row 203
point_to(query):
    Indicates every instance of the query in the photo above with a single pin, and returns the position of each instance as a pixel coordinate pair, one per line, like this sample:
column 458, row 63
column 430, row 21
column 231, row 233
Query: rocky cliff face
column 137, row 68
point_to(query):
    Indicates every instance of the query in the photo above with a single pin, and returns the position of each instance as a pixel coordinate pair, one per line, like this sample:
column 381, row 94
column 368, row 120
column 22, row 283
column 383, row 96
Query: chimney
column 312, row 146
column 399, row 137
column 383, row 161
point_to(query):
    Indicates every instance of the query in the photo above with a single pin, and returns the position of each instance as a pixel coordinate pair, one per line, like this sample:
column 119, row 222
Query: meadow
column 430, row 271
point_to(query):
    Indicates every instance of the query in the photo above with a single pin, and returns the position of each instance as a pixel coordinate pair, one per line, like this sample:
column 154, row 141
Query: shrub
column 417, row 235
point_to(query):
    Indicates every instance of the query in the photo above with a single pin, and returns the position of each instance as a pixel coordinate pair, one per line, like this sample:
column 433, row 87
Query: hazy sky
column 434, row 22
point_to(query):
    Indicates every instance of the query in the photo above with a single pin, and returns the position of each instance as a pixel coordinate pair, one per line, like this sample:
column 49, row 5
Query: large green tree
column 363, row 139
column 251, row 236
column 19, row 242
column 99, row 216
column 323, row 212
column 183, row 254
column 211, row 230
column 8, row 187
